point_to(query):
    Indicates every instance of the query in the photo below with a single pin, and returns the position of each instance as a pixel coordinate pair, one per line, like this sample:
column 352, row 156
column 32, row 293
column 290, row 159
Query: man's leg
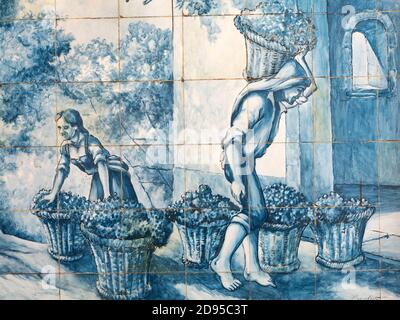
column 234, row 235
column 257, row 215
column 253, row 271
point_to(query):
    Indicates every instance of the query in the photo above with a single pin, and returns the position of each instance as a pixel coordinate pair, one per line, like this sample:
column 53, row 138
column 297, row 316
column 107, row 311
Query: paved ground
column 24, row 268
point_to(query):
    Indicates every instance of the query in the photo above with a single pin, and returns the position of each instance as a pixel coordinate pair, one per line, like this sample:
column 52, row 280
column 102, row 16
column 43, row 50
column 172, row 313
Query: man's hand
column 238, row 191
column 301, row 56
column 299, row 101
column 49, row 198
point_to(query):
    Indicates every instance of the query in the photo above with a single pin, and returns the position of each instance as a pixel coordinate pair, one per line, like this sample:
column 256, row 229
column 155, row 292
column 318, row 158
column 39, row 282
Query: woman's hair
column 73, row 117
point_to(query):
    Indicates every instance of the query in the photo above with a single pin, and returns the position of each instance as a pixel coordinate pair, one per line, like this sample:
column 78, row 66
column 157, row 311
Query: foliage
column 197, row 7
column 146, row 53
column 8, row 9
column 201, row 207
column 286, row 206
column 93, row 61
column 29, row 54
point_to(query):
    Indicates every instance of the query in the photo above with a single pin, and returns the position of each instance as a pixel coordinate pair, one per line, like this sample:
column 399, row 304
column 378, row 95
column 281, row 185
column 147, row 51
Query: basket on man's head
column 272, row 40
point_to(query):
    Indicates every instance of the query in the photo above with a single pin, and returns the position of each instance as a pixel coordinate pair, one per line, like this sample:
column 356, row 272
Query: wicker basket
column 264, row 58
column 63, row 234
column 340, row 243
column 122, row 266
column 201, row 244
column 278, row 247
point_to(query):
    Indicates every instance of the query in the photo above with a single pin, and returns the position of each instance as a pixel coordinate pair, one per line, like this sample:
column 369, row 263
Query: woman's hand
column 106, row 194
column 238, row 191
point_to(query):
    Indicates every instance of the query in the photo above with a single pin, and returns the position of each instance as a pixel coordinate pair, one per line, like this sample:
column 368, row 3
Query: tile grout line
column 156, row 80
column 57, row 143
column 186, row 16
column 183, row 97
column 378, row 156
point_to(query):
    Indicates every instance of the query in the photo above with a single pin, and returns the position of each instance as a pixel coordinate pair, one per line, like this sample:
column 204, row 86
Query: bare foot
column 261, row 277
column 225, row 275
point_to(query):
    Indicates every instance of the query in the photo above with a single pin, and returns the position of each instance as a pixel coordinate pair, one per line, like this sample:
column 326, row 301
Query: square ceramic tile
column 77, row 286
column 132, row 8
column 28, row 116
column 201, row 285
column 349, row 285
column 21, row 256
column 389, row 281
column 212, row 8
column 34, row 37
column 99, row 106
column 300, row 286
column 87, row 50
column 202, row 99
column 168, row 286
column 146, row 49
column 388, row 5
column 218, row 38
column 147, row 111
column 14, row 287
column 37, row 165
column 37, row 9
column 87, row 9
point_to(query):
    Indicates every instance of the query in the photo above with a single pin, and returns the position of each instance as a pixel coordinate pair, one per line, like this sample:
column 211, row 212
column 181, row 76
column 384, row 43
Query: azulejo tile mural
column 199, row 149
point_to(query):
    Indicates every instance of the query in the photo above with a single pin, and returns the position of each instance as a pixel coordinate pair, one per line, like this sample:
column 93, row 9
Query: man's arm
column 267, row 84
column 233, row 145
column 240, row 133
column 301, row 59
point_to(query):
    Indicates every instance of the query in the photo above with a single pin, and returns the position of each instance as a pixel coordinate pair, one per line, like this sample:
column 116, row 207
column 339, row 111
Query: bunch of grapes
column 201, row 207
column 197, row 7
column 275, row 23
column 330, row 208
column 114, row 218
column 286, row 206
column 160, row 227
column 358, row 208
column 65, row 202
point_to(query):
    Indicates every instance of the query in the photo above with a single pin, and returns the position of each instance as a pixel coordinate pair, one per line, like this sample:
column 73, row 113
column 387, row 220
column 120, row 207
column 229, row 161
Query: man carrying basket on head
column 254, row 124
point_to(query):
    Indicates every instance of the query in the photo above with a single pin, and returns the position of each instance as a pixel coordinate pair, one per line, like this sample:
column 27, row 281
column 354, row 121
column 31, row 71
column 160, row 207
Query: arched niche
column 369, row 56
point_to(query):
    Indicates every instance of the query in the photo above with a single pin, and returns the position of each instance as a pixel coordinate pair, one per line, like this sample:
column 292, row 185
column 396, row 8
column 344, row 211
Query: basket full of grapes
column 201, row 218
column 273, row 35
column 123, row 236
column 60, row 219
column 339, row 228
column 288, row 215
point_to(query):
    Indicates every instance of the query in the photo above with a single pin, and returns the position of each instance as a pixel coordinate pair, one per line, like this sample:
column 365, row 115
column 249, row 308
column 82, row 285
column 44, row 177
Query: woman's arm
column 58, row 182
column 100, row 158
column 62, row 172
column 104, row 177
